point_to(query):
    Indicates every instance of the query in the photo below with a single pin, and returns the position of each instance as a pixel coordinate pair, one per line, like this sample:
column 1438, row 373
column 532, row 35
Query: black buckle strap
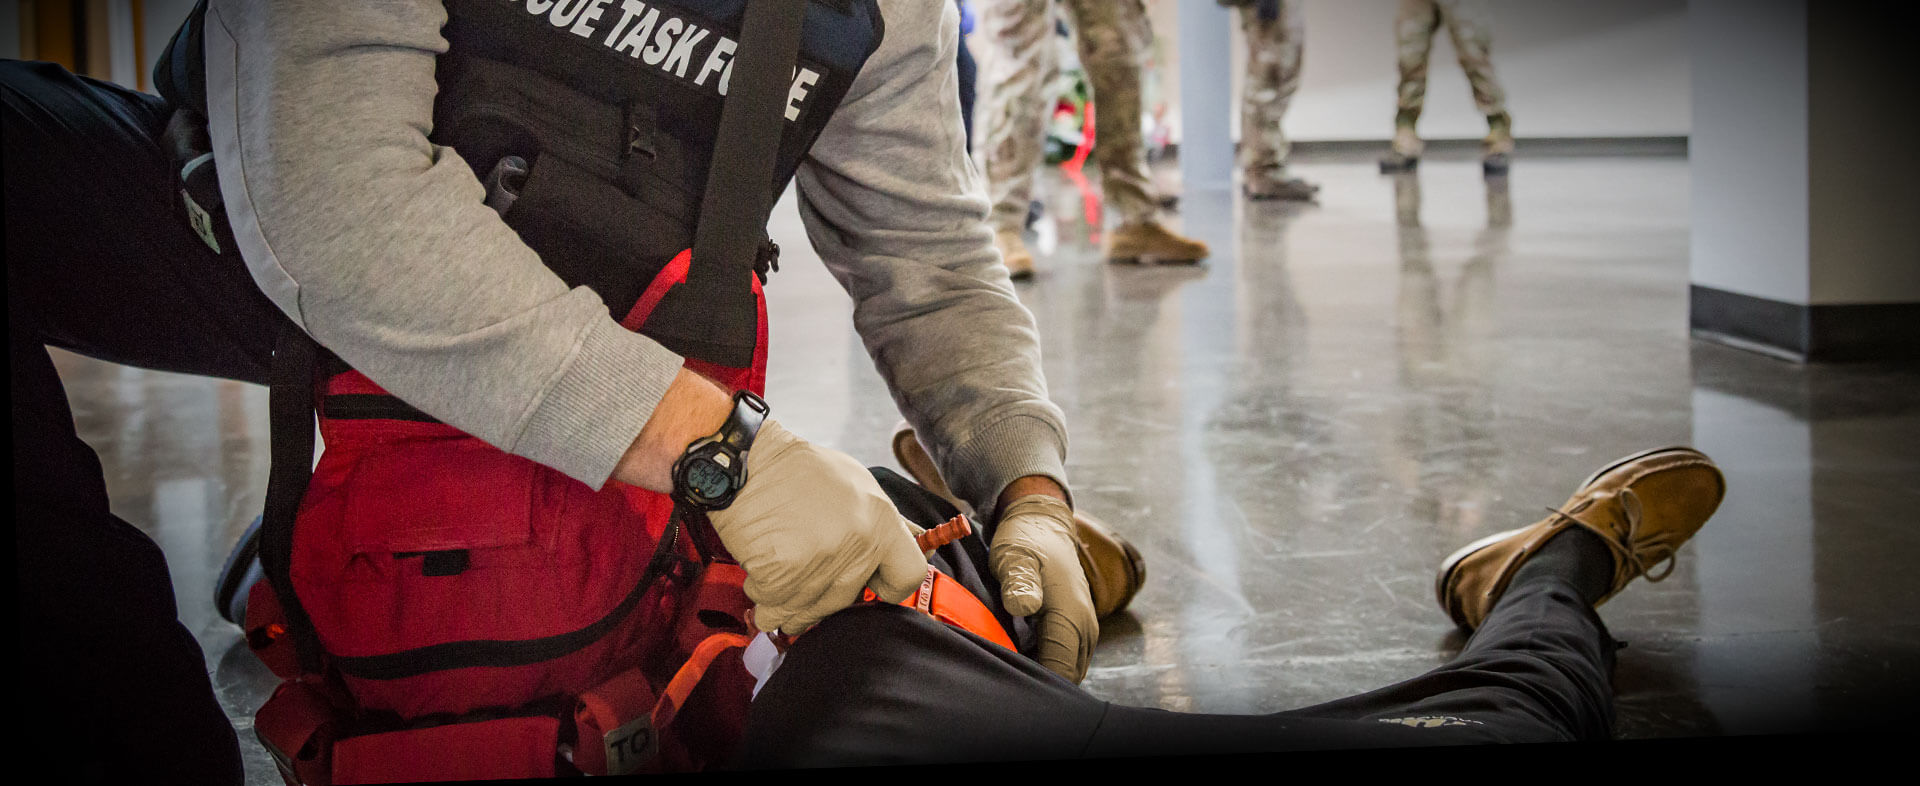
column 766, row 260
column 290, row 467
column 738, row 196
column 709, row 316
column 371, row 406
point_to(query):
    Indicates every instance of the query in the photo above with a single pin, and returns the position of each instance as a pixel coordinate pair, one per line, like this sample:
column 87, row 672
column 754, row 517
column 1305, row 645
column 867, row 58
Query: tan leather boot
column 1497, row 148
column 1643, row 507
column 1148, row 241
column 1115, row 570
column 1268, row 184
column 1405, row 153
column 1014, row 254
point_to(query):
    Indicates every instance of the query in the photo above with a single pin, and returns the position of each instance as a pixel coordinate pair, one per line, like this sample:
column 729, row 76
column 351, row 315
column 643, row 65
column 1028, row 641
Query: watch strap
column 749, row 412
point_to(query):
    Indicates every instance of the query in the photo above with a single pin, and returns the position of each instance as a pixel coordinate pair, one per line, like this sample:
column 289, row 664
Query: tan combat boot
column 1115, row 570
column 1497, row 148
column 1148, row 241
column 1014, row 254
column 1405, row 154
column 1643, row 507
column 1273, row 184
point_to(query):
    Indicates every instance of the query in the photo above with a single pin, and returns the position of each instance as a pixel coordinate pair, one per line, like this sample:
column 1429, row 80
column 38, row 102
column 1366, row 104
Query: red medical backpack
column 504, row 617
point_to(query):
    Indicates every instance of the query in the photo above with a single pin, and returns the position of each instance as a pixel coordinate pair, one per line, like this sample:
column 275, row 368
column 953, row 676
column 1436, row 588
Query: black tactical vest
column 594, row 122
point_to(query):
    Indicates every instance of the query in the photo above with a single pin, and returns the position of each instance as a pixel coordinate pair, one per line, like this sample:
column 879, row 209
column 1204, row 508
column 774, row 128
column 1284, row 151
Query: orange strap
column 688, row 677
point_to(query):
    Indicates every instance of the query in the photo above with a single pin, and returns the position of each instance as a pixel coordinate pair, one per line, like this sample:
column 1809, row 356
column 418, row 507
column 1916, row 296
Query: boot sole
column 1453, row 560
column 923, row 473
column 1136, row 565
column 1387, row 167
column 238, row 574
column 908, row 451
column 1296, row 197
column 1636, row 457
column 1139, row 578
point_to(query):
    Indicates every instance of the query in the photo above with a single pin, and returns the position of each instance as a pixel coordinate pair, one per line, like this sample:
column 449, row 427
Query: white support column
column 1206, row 78
column 1804, row 243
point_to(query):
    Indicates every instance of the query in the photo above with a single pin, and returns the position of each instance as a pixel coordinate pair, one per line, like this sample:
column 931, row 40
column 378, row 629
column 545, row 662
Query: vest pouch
column 502, row 748
column 443, row 575
column 614, row 725
column 714, row 604
column 593, row 234
column 610, row 195
column 712, row 689
column 428, row 498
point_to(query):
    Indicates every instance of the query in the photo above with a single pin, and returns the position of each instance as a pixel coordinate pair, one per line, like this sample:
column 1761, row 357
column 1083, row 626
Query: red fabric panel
column 296, row 725
column 495, row 749
column 547, row 556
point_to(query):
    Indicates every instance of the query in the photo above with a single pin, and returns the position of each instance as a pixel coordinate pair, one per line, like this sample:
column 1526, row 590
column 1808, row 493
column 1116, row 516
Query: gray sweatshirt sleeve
column 896, row 208
column 376, row 242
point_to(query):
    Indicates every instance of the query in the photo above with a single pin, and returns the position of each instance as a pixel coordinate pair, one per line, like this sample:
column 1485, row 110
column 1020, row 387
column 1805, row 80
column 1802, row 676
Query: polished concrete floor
column 1296, row 433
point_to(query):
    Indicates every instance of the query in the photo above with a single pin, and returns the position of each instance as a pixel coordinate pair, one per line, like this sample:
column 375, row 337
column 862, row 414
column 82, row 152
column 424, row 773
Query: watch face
column 708, row 479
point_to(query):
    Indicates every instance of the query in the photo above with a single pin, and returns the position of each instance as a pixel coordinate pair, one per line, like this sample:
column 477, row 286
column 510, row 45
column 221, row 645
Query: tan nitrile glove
column 812, row 527
column 1033, row 555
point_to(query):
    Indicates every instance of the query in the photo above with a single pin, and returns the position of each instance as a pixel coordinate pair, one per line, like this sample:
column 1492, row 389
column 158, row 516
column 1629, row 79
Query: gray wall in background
column 1571, row 68
column 1748, row 150
column 1802, row 151
column 1805, row 242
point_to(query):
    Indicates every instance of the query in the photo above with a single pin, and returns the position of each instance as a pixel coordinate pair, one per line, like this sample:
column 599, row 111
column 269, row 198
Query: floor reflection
column 1447, row 361
column 1806, row 605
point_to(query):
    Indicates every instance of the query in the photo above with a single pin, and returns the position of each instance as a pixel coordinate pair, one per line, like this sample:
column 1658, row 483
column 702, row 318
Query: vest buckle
column 766, row 259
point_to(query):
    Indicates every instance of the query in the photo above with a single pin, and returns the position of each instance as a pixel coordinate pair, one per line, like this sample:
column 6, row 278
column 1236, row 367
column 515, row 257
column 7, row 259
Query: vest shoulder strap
column 736, row 200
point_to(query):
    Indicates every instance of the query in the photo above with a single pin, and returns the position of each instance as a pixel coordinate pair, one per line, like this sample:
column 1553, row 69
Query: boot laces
column 1620, row 541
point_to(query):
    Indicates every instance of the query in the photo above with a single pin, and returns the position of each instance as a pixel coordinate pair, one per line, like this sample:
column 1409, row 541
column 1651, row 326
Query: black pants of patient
column 885, row 684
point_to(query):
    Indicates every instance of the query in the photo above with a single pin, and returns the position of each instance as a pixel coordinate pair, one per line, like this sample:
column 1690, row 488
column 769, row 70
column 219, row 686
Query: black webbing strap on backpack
column 739, row 190
column 290, row 429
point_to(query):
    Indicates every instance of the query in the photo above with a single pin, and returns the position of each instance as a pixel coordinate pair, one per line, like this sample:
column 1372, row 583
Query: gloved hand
column 1034, row 557
column 812, row 527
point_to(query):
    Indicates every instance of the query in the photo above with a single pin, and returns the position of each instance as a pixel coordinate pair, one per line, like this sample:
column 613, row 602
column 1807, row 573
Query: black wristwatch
column 714, row 468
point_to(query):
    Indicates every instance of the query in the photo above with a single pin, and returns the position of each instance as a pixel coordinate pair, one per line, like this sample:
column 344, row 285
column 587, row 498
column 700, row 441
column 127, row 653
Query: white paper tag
column 761, row 659
column 202, row 222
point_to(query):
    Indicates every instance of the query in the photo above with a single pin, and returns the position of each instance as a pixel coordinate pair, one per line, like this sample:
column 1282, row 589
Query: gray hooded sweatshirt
column 376, row 242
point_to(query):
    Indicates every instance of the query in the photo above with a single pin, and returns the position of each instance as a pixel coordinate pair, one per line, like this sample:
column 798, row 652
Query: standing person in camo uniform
column 1275, row 39
column 1112, row 36
column 1467, row 22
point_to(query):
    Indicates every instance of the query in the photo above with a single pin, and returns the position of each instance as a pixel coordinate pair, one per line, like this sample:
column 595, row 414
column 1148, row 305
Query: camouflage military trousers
column 1273, row 76
column 1113, row 35
column 1466, row 21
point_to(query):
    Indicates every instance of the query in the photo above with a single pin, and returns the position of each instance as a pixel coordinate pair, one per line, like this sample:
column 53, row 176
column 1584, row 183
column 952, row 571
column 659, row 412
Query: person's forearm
column 899, row 216
column 693, row 407
column 376, row 241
